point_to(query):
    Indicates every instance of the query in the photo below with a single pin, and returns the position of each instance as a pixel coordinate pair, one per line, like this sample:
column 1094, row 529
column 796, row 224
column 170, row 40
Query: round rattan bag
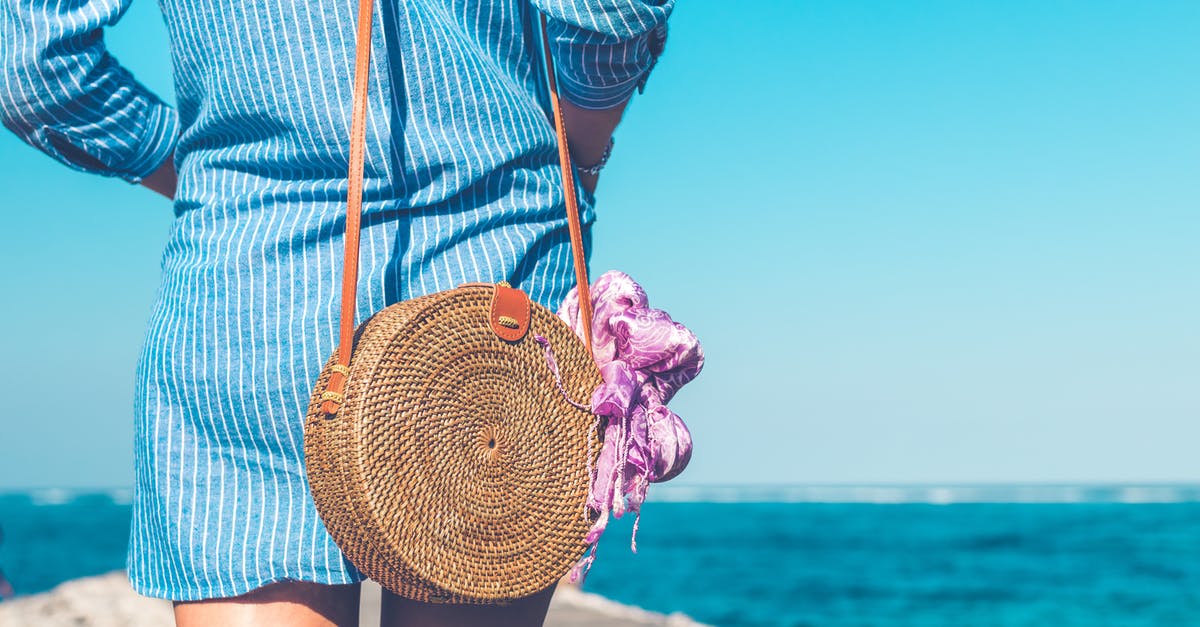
column 449, row 441
column 456, row 468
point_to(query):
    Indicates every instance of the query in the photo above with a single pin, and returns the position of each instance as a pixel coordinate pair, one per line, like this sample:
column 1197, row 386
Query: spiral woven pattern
column 456, row 470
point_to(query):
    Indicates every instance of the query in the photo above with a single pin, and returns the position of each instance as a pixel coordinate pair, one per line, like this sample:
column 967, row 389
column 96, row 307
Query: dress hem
column 213, row 592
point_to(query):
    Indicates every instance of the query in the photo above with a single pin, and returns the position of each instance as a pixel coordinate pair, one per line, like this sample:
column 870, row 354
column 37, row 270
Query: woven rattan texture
column 455, row 470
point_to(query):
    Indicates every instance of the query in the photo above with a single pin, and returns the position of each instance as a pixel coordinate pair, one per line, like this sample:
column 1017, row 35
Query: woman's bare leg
column 291, row 603
column 529, row 611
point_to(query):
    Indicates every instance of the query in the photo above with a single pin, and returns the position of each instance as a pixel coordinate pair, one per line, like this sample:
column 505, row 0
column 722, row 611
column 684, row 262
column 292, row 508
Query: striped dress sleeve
column 63, row 93
column 604, row 49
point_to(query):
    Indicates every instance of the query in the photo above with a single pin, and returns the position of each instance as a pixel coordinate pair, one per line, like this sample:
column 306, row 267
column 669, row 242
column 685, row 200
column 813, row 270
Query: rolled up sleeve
column 64, row 94
column 605, row 49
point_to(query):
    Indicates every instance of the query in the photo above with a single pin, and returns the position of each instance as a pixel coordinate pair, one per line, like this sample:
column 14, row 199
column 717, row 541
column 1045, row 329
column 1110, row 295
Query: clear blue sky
column 921, row 242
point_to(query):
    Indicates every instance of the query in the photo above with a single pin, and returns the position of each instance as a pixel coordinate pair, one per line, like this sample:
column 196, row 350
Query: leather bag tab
column 510, row 313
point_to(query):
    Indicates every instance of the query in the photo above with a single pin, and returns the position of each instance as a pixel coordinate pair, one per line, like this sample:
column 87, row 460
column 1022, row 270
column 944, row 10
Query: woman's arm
column 64, row 94
column 588, row 133
column 163, row 180
column 603, row 51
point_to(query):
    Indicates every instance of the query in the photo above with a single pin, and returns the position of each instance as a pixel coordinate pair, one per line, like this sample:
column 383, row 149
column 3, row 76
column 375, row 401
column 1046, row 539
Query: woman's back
column 461, row 184
column 264, row 98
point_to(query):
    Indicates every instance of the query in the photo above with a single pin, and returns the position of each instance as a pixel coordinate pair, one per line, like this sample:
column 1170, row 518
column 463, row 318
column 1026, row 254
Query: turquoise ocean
column 835, row 556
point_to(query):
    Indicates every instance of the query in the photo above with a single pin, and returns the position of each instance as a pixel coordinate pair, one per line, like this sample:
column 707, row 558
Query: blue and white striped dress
column 461, row 184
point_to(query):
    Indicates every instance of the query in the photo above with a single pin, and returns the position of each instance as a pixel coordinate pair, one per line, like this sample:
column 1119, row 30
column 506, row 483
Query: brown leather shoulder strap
column 362, row 65
column 568, row 176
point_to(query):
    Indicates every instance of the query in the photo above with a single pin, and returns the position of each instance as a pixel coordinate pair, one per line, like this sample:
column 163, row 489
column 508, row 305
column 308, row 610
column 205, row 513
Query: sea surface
column 1064, row 556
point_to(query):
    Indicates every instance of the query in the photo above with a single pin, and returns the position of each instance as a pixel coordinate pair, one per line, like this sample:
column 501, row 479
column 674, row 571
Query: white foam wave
column 51, row 496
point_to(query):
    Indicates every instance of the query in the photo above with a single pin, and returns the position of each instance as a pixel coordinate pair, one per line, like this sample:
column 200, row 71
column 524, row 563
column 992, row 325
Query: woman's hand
column 163, row 180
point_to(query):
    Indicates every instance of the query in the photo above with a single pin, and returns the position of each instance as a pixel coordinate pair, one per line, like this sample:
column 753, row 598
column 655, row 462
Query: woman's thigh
column 292, row 603
column 529, row 611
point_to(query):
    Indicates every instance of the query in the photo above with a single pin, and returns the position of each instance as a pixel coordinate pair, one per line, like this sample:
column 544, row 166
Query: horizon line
column 833, row 493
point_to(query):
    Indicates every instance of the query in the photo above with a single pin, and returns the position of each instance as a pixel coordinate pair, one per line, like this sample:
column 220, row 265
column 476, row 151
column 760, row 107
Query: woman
column 461, row 184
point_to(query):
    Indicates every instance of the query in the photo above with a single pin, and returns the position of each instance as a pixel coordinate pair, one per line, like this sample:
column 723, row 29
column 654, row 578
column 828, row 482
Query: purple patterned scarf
column 644, row 357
